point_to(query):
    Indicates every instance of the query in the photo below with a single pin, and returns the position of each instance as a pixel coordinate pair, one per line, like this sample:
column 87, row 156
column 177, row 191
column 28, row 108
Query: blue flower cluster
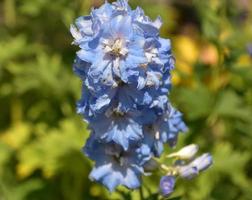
column 125, row 70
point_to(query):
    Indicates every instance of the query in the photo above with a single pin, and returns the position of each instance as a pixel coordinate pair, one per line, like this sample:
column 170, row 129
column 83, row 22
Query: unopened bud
column 186, row 153
column 167, row 185
column 202, row 162
column 188, row 171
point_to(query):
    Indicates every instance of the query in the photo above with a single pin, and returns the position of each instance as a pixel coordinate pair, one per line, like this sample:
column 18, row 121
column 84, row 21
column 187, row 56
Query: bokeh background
column 41, row 135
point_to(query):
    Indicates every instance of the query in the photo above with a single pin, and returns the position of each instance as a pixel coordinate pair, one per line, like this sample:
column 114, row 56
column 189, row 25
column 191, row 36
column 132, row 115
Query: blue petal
column 159, row 148
column 119, row 26
column 111, row 181
column 101, row 102
column 120, row 138
column 100, row 70
column 131, row 179
column 165, row 45
column 88, row 56
column 100, row 172
column 84, row 24
column 122, row 5
column 134, row 131
column 81, row 67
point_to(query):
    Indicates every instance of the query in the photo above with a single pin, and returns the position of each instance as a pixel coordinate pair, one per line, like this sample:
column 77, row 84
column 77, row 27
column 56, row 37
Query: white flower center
column 115, row 48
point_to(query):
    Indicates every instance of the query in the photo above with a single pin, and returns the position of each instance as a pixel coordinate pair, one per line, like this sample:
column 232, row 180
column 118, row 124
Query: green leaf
column 197, row 103
column 231, row 105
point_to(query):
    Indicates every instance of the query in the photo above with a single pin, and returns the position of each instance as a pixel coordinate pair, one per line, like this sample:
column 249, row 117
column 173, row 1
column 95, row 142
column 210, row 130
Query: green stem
column 141, row 193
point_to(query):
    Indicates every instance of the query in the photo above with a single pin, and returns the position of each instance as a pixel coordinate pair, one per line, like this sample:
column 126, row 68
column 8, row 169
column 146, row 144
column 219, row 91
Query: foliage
column 41, row 135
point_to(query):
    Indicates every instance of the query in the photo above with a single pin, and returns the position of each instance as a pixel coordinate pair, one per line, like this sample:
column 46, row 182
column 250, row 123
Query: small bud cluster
column 185, row 166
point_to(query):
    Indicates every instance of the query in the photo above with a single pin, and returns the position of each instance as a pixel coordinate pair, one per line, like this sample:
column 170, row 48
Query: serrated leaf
column 196, row 103
column 231, row 105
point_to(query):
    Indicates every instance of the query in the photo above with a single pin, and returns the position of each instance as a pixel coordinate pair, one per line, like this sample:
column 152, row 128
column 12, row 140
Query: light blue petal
column 111, row 181
column 134, row 131
column 120, row 137
column 101, row 102
column 165, row 45
column 98, row 68
column 119, row 26
column 100, row 172
column 88, row 56
column 131, row 180
column 84, row 24
column 159, row 148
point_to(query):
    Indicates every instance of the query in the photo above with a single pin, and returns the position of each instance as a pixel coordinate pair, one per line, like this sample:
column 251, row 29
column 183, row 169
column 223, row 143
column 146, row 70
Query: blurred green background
column 41, row 135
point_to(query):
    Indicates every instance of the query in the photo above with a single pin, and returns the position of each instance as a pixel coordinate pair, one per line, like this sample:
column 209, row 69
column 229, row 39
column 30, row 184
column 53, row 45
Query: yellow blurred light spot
column 175, row 78
column 48, row 173
column 24, row 170
column 184, row 67
column 244, row 61
column 215, row 4
column 209, row 55
column 95, row 190
column 186, row 49
column 17, row 135
column 225, row 34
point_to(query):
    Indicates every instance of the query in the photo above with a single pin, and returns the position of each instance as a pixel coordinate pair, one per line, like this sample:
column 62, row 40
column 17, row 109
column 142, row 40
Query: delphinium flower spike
column 125, row 69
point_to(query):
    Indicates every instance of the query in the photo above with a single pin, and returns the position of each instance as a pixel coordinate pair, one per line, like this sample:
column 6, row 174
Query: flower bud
column 202, row 162
column 167, row 185
column 186, row 153
column 188, row 171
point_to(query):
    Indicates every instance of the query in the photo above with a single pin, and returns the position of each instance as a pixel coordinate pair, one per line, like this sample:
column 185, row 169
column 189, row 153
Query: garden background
column 41, row 135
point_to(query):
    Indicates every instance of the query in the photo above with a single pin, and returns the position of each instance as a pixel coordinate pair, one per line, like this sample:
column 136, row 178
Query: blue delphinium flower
column 125, row 68
column 164, row 130
column 114, row 166
column 120, row 127
column 115, row 53
column 110, row 40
